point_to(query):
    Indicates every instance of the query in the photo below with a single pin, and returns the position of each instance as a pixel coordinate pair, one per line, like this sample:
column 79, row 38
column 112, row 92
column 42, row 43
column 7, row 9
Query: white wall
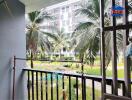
column 12, row 42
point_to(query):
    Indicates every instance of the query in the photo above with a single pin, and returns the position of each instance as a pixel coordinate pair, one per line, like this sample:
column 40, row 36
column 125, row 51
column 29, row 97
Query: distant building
column 65, row 15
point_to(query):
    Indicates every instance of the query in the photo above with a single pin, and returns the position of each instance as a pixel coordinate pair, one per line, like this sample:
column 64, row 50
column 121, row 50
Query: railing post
column 83, row 81
column 93, row 91
column 103, row 72
column 51, row 86
column 69, row 87
column 41, row 87
column 123, row 89
column 32, row 85
column 57, row 87
column 63, row 87
column 14, row 75
column 46, row 84
column 77, row 88
column 127, row 72
column 37, row 95
column 28, row 85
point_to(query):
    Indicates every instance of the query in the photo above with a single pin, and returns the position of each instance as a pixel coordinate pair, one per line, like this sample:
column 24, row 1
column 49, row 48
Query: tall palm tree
column 63, row 41
column 36, row 33
column 88, row 32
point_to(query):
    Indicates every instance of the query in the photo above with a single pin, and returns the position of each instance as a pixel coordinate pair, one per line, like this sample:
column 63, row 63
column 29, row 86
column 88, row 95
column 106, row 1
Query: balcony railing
column 48, row 85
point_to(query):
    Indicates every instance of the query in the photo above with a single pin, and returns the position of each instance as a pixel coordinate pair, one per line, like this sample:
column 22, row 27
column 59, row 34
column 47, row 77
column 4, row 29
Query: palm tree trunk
column 60, row 55
column 31, row 59
column 51, row 56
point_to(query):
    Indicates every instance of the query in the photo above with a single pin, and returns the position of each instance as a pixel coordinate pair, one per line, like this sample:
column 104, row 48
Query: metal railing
column 50, row 85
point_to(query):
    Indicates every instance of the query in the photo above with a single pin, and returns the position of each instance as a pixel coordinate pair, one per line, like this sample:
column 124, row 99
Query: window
column 62, row 16
column 67, row 8
column 63, row 9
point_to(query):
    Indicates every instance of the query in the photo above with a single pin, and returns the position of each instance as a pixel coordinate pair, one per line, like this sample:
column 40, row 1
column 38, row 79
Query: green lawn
column 95, row 70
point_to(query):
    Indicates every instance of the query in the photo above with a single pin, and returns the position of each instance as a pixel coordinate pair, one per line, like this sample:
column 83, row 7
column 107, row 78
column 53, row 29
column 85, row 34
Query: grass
column 94, row 70
column 97, row 71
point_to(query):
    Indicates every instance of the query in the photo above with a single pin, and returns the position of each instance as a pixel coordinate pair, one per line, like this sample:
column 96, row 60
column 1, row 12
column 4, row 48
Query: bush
column 66, row 65
column 68, row 58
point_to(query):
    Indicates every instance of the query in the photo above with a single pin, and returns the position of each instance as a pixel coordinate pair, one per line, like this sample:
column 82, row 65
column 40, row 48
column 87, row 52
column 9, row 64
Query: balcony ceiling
column 32, row 5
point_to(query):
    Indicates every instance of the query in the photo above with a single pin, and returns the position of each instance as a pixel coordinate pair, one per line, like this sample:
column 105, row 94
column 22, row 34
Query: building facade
column 65, row 15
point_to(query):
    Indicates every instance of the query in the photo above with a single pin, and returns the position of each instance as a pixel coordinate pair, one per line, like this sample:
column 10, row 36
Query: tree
column 88, row 33
column 63, row 41
column 36, row 33
column 130, row 6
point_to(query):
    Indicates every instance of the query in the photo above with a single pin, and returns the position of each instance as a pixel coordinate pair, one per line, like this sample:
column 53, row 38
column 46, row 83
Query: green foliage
column 68, row 58
column 36, row 37
column 66, row 65
column 63, row 43
column 87, row 34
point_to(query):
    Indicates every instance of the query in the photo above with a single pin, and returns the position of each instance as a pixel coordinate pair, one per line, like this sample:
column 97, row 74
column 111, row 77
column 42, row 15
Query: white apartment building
column 65, row 15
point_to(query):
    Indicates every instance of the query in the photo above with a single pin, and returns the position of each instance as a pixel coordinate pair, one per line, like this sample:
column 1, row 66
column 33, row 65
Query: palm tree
column 37, row 36
column 63, row 41
column 130, row 6
column 88, row 33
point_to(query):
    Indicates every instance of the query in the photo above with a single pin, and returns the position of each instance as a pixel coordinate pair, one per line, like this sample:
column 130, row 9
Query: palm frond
column 88, row 33
column 53, row 36
column 36, row 35
column 33, row 15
